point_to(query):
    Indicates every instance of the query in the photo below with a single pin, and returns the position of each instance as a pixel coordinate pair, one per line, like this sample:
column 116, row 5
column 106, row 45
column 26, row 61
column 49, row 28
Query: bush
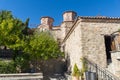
column 22, row 63
column 76, row 71
column 7, row 67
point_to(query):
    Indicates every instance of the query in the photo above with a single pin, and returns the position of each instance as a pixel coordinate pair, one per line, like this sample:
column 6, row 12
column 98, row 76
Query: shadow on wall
column 51, row 66
column 68, row 66
column 55, row 68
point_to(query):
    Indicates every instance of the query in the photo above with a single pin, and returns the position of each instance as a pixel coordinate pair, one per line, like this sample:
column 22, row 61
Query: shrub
column 22, row 63
column 7, row 67
column 76, row 71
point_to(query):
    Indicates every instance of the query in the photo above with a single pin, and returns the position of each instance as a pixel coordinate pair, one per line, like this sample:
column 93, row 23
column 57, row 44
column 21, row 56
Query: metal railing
column 6, row 53
column 101, row 73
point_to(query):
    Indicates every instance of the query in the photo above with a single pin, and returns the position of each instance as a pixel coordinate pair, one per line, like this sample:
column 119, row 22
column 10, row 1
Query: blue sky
column 34, row 9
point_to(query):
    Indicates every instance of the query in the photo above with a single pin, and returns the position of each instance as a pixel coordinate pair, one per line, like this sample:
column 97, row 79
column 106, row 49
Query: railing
column 101, row 73
column 22, row 76
column 6, row 53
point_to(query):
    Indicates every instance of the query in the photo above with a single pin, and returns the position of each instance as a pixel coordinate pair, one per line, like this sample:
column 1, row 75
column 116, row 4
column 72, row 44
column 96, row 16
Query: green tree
column 11, row 30
column 42, row 46
column 12, row 35
column 4, row 15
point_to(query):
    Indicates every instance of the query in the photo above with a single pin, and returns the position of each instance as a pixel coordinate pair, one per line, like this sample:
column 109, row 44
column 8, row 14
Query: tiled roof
column 47, row 17
column 92, row 18
column 97, row 17
column 70, row 12
column 56, row 28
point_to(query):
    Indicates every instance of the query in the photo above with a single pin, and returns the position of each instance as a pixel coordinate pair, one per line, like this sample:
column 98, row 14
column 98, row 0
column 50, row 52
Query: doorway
column 108, row 43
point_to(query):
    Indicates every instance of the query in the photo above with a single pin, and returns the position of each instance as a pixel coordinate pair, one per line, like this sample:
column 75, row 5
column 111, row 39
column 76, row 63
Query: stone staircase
column 55, row 77
column 100, row 72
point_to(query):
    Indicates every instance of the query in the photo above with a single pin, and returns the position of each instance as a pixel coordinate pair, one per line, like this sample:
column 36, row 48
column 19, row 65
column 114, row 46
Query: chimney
column 69, row 16
column 47, row 22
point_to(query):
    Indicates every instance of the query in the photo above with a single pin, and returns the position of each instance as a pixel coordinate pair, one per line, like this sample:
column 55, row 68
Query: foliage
column 14, row 34
column 7, row 67
column 76, row 71
column 42, row 45
column 84, row 65
column 4, row 15
column 22, row 63
column 11, row 30
column 118, row 30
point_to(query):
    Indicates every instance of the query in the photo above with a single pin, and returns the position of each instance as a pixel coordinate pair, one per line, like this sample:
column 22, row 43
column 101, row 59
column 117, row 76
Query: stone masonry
column 83, row 37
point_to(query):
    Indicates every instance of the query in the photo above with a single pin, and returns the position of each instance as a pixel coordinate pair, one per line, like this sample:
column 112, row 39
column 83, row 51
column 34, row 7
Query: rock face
column 89, row 37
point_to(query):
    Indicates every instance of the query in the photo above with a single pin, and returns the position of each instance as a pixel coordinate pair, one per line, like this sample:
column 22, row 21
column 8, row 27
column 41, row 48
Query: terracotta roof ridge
column 98, row 17
column 55, row 26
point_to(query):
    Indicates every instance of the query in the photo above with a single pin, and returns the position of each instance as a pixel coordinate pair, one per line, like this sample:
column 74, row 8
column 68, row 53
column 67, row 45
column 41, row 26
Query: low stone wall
column 22, row 76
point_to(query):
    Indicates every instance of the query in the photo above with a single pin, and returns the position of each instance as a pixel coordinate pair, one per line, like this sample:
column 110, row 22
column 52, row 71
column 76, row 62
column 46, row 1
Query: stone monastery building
column 94, row 37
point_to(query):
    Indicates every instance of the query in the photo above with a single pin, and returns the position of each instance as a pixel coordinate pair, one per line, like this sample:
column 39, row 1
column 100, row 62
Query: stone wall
column 114, row 67
column 93, row 39
column 57, row 34
column 73, row 47
column 65, row 27
column 87, row 39
column 84, row 36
